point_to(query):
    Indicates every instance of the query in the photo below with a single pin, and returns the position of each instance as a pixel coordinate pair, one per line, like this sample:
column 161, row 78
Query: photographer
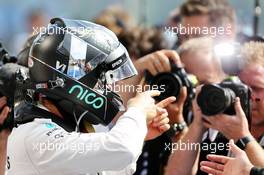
column 6, row 122
column 232, row 127
column 58, row 111
column 251, row 74
column 3, row 135
column 198, row 59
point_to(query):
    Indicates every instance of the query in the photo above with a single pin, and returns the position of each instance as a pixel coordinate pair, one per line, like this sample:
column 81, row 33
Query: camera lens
column 214, row 99
column 168, row 83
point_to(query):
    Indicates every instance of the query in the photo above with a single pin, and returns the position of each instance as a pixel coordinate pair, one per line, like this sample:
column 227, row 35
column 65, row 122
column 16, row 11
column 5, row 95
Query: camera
column 219, row 98
column 14, row 82
column 170, row 83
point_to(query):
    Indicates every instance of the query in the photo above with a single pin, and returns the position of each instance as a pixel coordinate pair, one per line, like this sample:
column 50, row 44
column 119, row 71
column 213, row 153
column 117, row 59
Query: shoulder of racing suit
column 27, row 112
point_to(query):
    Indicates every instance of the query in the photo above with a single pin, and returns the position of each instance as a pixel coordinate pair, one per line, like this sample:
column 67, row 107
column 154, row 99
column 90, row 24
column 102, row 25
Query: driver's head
column 73, row 61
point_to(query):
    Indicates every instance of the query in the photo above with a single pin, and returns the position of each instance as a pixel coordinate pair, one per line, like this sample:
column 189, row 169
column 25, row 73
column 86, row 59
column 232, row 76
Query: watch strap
column 242, row 143
column 176, row 128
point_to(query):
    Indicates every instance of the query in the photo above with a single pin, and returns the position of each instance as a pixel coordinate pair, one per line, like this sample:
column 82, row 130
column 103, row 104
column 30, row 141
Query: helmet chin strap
column 79, row 121
column 88, row 127
column 75, row 118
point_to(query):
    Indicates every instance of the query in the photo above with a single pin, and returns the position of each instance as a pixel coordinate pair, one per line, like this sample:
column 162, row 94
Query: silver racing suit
column 42, row 147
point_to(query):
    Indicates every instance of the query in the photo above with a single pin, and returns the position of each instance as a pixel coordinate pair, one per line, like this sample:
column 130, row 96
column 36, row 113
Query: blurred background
column 18, row 17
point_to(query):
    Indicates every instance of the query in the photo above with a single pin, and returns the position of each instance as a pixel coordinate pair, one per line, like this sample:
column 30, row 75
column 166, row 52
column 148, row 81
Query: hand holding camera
column 232, row 126
column 3, row 116
column 163, row 71
column 175, row 83
column 176, row 109
column 197, row 112
column 220, row 98
column 7, row 91
column 226, row 107
column 157, row 62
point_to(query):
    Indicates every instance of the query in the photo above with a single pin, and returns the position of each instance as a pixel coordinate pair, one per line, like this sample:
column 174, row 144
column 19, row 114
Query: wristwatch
column 242, row 143
column 176, row 128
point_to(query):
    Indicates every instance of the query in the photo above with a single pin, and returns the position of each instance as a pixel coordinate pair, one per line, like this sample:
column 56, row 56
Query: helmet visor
column 86, row 46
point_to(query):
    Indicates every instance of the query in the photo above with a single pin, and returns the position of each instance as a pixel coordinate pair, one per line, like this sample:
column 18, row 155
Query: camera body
column 219, row 98
column 170, row 84
column 13, row 80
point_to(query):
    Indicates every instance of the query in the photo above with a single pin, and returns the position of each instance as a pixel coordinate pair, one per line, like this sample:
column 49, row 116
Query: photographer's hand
column 175, row 111
column 3, row 134
column 197, row 113
column 236, row 127
column 187, row 159
column 233, row 127
column 158, row 62
column 4, row 114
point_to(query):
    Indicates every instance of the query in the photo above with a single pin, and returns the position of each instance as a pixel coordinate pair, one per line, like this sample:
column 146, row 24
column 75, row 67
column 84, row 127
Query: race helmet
column 73, row 61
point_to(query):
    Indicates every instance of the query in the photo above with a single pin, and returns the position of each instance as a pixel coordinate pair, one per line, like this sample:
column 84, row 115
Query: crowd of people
column 75, row 123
